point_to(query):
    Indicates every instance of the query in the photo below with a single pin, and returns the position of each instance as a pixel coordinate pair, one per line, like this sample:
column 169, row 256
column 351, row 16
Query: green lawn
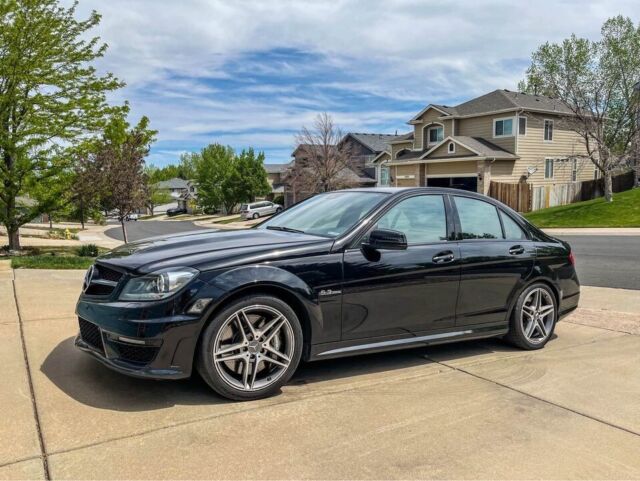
column 51, row 262
column 624, row 211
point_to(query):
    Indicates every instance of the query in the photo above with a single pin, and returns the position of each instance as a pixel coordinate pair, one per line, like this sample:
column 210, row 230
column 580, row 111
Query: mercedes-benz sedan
column 341, row 273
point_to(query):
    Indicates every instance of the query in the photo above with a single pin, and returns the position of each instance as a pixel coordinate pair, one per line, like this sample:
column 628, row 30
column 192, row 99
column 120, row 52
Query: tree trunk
column 82, row 214
column 608, row 186
column 50, row 222
column 124, row 231
column 14, row 239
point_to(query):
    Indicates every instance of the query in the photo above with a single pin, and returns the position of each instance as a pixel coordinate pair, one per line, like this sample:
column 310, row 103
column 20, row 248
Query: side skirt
column 368, row 346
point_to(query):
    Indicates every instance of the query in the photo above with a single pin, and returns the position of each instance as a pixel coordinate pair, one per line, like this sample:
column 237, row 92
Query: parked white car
column 259, row 209
column 133, row 216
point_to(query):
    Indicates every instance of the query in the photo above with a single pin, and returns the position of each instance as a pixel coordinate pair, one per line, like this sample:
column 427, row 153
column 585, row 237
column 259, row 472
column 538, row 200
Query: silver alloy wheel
column 254, row 347
column 538, row 315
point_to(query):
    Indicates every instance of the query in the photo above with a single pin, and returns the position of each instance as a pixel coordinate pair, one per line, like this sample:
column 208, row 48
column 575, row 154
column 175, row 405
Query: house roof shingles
column 506, row 99
column 376, row 142
column 483, row 147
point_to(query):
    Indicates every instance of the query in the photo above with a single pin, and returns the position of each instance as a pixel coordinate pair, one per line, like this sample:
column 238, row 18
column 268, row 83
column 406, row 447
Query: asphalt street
column 602, row 261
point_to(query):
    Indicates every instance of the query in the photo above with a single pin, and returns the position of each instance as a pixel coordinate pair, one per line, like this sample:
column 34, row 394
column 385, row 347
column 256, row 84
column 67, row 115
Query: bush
column 279, row 199
column 88, row 250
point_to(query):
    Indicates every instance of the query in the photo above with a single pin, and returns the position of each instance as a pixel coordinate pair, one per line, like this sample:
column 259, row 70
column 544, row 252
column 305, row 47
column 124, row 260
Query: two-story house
column 502, row 136
column 362, row 171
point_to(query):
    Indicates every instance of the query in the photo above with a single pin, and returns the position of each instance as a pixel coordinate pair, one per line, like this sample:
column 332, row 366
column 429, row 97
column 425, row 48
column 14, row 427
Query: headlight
column 157, row 285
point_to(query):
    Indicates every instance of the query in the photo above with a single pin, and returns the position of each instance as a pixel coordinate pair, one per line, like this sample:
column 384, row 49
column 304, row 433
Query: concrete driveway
column 473, row 410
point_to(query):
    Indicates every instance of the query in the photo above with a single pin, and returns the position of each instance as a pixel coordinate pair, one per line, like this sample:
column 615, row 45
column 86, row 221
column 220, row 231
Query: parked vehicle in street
column 133, row 216
column 262, row 208
column 341, row 273
column 176, row 211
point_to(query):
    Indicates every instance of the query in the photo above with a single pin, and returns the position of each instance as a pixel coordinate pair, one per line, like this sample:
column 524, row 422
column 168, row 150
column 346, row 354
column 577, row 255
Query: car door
column 399, row 292
column 496, row 259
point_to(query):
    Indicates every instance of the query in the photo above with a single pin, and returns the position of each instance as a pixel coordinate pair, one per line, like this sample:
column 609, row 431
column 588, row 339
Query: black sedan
column 342, row 273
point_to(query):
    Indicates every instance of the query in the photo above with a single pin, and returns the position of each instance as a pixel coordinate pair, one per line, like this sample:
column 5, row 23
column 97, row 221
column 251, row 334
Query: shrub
column 88, row 250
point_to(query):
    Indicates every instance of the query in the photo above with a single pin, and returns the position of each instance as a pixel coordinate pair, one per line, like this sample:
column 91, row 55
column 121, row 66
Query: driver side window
column 422, row 219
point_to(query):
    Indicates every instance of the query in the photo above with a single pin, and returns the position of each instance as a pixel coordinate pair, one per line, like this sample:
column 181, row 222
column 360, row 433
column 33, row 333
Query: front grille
column 104, row 273
column 135, row 354
column 99, row 290
column 90, row 333
column 103, row 281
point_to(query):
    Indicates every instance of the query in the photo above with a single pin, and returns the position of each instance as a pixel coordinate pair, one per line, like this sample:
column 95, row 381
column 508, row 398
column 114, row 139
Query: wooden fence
column 524, row 198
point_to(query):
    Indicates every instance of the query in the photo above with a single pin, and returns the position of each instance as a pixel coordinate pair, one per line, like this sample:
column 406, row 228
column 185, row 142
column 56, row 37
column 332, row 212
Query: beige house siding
column 429, row 118
column 395, row 148
column 483, row 127
column 443, row 151
column 452, row 168
column 406, row 170
column 533, row 151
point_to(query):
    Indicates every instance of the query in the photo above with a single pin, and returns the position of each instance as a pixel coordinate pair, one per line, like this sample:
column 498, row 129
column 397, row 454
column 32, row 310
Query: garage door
column 464, row 183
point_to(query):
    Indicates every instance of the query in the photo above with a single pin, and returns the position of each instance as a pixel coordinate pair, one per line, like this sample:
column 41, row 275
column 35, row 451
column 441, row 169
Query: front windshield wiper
column 285, row 229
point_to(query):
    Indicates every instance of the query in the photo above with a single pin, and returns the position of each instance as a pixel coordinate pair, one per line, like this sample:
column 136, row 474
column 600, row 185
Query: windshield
column 329, row 214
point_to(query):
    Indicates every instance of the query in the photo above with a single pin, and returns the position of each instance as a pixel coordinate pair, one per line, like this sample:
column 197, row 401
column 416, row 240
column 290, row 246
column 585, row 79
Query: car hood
column 204, row 248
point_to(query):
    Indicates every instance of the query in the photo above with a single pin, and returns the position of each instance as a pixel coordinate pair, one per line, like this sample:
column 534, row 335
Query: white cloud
column 405, row 51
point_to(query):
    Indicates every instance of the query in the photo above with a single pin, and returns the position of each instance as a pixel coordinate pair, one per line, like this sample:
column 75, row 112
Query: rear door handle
column 516, row 250
column 443, row 257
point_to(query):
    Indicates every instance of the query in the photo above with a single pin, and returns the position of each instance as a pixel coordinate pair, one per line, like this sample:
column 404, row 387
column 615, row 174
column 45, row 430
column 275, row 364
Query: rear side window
column 421, row 219
column 478, row 219
column 512, row 230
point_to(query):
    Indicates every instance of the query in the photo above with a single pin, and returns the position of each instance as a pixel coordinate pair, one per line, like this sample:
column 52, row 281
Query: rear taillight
column 572, row 259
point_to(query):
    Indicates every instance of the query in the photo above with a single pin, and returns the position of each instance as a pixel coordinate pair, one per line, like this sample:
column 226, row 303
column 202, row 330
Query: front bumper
column 125, row 340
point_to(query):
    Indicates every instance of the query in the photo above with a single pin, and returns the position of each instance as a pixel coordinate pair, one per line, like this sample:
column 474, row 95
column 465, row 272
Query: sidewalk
column 593, row 231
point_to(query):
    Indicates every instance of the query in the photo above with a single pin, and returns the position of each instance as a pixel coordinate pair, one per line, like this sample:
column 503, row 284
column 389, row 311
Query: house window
column 548, row 168
column 596, row 172
column 574, row 170
column 548, row 130
column 503, row 127
column 384, row 175
column 451, row 148
column 522, row 126
column 436, row 134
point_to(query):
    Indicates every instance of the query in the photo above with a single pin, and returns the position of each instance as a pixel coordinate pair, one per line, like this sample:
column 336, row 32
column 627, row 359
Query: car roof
column 404, row 190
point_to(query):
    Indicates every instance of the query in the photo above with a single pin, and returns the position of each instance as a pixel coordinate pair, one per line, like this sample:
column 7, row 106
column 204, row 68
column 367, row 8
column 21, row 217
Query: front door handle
column 516, row 250
column 444, row 257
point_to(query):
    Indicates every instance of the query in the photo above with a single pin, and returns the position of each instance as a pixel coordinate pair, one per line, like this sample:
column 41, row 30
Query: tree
column 595, row 79
column 324, row 161
column 251, row 176
column 155, row 196
column 120, row 155
column 225, row 179
column 50, row 95
column 52, row 192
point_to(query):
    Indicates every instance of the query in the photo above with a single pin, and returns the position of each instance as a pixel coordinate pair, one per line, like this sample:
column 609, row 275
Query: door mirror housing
column 387, row 239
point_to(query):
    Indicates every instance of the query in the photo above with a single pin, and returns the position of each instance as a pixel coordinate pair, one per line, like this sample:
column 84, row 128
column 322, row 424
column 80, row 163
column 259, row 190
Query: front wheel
column 534, row 318
column 251, row 348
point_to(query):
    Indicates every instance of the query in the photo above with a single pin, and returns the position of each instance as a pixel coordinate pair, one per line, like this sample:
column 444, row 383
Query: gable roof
column 275, row 168
column 375, row 142
column 175, row 183
column 478, row 145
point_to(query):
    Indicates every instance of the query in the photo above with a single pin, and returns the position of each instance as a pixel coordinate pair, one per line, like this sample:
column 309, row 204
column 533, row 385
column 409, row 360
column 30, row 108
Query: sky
column 252, row 73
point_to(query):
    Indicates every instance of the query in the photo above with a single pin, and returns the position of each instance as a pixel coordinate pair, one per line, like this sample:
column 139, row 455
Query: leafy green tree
column 53, row 193
column 252, row 176
column 596, row 80
column 50, row 95
column 225, row 179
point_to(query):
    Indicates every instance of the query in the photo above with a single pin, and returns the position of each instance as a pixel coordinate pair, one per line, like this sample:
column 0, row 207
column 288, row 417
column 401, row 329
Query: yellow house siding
column 483, row 127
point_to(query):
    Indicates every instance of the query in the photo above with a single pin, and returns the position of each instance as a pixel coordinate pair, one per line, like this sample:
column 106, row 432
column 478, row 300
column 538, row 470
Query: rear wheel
column 255, row 215
column 534, row 318
column 251, row 349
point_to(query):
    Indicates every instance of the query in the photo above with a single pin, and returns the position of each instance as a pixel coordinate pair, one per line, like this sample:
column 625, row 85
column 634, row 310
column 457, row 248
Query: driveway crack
column 34, row 405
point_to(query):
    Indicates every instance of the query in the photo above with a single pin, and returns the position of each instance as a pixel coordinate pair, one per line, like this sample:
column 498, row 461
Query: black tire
column 204, row 359
column 255, row 216
column 516, row 334
column 278, row 210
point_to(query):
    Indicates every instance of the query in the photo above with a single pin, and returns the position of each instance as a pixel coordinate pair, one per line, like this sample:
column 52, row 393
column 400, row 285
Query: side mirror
column 387, row 239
